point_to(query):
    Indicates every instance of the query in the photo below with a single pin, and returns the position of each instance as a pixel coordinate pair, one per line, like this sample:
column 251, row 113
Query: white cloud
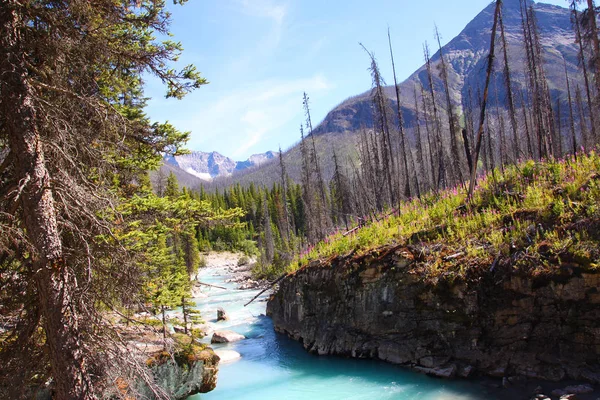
column 266, row 9
column 249, row 115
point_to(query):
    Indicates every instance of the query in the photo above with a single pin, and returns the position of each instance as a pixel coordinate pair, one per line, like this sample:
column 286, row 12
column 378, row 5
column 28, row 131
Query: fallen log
column 267, row 288
column 208, row 284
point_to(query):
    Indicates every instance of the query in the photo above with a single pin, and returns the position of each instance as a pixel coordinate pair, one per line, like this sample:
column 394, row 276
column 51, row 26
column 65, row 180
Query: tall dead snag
column 559, row 124
column 538, row 86
column 490, row 67
column 456, row 169
column 319, row 203
column 420, row 155
column 509, row 92
column 501, row 130
column 575, row 20
column 308, row 197
column 430, row 144
column 382, row 123
column 528, row 138
column 407, row 192
column 585, row 142
column 593, row 31
column 571, row 115
column 442, row 179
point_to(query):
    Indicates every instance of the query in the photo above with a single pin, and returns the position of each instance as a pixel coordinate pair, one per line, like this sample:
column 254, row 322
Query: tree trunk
column 185, row 312
column 55, row 284
column 490, row 67
column 596, row 46
column 583, row 64
column 164, row 324
column 407, row 192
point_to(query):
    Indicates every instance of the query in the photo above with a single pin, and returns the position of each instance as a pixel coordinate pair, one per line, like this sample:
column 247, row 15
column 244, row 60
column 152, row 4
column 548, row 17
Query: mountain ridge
column 207, row 166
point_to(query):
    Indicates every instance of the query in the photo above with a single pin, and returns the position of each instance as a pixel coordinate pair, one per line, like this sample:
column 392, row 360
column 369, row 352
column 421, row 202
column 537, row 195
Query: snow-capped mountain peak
column 208, row 166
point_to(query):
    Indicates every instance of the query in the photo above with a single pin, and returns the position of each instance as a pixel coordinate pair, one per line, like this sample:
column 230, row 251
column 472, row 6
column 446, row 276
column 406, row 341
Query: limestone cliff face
column 498, row 325
column 183, row 378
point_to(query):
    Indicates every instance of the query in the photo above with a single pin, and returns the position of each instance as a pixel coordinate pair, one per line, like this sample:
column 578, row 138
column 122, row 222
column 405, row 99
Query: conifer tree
column 71, row 123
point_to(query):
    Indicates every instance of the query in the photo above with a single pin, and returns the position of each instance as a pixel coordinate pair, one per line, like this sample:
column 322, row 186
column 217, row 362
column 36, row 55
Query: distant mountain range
column 209, row 166
column 466, row 57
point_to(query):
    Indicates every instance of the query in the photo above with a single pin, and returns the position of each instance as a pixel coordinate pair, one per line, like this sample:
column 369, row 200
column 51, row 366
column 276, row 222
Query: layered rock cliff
column 498, row 324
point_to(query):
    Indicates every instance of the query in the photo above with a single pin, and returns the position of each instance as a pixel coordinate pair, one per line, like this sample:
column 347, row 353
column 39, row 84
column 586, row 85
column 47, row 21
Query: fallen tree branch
column 208, row 284
column 267, row 288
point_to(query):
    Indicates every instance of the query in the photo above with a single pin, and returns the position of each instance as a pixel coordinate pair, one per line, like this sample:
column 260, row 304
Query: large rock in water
column 500, row 324
column 226, row 337
column 222, row 315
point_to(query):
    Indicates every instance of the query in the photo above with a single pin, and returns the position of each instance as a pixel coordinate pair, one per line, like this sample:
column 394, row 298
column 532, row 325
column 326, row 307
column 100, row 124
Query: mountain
column 466, row 58
column 208, row 166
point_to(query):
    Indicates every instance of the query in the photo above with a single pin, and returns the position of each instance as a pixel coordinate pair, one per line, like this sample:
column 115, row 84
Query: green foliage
column 546, row 210
column 163, row 231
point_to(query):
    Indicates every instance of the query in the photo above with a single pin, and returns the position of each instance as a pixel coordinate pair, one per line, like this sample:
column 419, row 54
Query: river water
column 273, row 366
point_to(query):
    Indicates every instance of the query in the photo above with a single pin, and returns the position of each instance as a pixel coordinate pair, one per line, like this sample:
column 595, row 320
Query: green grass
column 534, row 217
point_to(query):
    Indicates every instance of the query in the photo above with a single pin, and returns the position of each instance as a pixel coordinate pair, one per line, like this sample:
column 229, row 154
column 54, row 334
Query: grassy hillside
column 534, row 218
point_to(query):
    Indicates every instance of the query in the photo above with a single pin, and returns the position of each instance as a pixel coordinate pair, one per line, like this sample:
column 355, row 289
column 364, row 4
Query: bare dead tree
column 442, row 179
column 407, row 192
column 430, row 145
column 456, row 168
column 490, row 66
column 419, row 138
column 571, row 115
column 575, row 21
column 509, row 91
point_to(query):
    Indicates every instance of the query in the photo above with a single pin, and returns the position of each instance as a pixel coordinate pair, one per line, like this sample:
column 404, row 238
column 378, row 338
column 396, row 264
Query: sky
column 261, row 55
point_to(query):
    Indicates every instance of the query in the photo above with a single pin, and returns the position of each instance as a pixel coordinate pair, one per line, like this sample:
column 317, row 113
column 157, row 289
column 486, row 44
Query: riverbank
column 273, row 366
column 522, row 331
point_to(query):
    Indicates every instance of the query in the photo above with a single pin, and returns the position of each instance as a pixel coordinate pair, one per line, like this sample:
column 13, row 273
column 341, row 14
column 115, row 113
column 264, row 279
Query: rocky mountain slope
column 466, row 57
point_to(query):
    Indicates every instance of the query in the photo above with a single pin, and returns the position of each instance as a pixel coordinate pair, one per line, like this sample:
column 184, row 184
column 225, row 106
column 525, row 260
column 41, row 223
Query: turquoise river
column 273, row 366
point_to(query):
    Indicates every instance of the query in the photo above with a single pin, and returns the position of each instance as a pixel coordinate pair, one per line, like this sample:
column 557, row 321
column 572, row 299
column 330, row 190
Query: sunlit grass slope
column 532, row 218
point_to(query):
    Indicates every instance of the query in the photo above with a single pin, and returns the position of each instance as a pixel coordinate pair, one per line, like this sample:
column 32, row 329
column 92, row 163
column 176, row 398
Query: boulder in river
column 226, row 337
column 221, row 314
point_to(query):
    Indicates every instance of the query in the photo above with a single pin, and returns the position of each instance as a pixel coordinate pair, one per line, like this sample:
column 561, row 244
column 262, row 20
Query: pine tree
column 83, row 60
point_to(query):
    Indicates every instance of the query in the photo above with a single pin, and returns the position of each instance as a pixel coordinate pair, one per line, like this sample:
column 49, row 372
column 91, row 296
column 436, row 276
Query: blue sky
column 261, row 55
